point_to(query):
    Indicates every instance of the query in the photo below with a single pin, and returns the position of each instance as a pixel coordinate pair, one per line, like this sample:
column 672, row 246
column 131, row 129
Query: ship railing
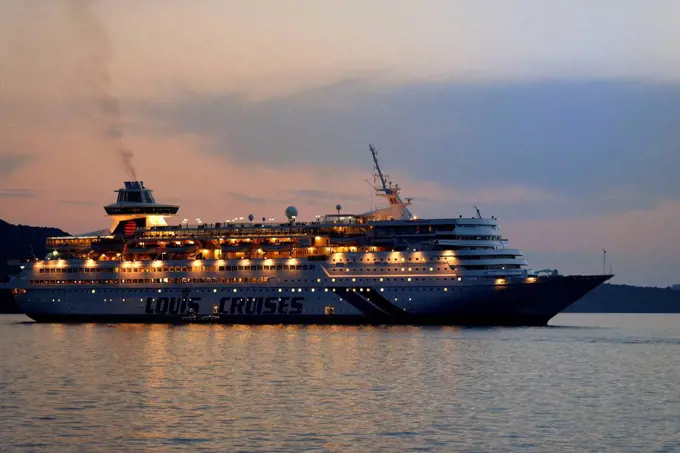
column 227, row 233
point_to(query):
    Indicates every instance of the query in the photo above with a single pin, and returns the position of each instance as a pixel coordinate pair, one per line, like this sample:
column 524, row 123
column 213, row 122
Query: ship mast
column 382, row 177
column 396, row 208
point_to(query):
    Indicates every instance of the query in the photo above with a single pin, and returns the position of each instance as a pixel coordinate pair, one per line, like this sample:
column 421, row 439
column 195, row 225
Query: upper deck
column 139, row 233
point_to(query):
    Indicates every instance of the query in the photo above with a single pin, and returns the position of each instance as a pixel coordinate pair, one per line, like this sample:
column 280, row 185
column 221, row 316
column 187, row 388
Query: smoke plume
column 94, row 73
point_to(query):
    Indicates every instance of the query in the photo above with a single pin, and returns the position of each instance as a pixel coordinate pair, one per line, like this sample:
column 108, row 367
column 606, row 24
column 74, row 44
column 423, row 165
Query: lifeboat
column 347, row 240
column 108, row 245
column 142, row 249
column 184, row 249
column 235, row 248
column 384, row 242
column 280, row 247
column 71, row 248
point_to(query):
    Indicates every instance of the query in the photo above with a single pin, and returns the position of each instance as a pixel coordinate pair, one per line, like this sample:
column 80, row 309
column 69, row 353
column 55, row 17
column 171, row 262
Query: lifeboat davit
column 108, row 246
column 279, row 247
column 184, row 249
column 239, row 247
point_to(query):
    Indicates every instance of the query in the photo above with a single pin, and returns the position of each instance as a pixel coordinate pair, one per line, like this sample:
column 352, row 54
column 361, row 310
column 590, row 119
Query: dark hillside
column 19, row 242
column 628, row 299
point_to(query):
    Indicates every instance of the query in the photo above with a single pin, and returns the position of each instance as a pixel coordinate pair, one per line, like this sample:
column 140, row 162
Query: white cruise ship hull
column 513, row 304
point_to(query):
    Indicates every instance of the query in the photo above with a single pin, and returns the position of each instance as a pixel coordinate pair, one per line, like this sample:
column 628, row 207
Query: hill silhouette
column 20, row 242
column 610, row 298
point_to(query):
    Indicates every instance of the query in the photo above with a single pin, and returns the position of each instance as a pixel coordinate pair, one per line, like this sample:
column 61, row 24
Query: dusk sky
column 561, row 118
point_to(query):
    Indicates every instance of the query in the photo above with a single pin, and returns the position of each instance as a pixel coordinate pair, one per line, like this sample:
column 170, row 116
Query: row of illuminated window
column 280, row 290
column 483, row 267
column 458, row 237
column 242, row 290
column 389, row 269
column 487, row 257
column 417, row 260
column 138, row 281
column 137, row 269
column 396, row 260
column 239, row 280
column 72, row 270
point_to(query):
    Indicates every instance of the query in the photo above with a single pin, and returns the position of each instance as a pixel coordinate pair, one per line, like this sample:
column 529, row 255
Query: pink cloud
column 629, row 231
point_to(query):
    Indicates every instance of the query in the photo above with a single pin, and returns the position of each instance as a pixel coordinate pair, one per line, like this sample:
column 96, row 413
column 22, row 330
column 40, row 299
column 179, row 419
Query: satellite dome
column 291, row 213
column 251, row 217
column 338, row 208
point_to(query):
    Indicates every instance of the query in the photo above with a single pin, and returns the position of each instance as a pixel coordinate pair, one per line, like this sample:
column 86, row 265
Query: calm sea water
column 589, row 383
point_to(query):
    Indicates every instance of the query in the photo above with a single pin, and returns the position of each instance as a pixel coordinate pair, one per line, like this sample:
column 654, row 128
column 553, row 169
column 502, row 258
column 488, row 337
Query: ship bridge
column 136, row 207
column 135, row 199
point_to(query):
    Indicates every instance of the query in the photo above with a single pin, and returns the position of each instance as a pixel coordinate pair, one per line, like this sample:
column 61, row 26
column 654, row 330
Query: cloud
column 246, row 198
column 259, row 46
column 79, row 203
column 11, row 162
column 17, row 193
column 641, row 244
column 316, row 196
column 313, row 197
column 443, row 194
column 630, row 230
column 566, row 138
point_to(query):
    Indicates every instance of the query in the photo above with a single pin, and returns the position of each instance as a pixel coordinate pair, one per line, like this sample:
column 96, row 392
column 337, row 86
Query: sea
column 586, row 383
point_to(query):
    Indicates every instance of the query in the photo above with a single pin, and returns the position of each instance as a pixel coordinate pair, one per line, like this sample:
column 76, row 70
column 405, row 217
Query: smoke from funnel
column 94, row 73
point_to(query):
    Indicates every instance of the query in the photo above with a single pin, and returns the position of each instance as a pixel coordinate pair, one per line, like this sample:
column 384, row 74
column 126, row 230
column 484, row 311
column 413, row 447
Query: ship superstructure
column 382, row 266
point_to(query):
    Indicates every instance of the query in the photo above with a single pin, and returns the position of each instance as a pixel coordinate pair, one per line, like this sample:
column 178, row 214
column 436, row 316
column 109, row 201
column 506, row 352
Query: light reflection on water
column 608, row 383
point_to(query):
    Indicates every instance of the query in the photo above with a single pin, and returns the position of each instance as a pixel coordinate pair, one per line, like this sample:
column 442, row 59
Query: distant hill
column 675, row 287
column 628, row 299
column 16, row 242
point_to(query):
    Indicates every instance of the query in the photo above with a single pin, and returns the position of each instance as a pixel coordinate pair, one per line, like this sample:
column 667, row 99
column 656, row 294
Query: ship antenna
column 374, row 153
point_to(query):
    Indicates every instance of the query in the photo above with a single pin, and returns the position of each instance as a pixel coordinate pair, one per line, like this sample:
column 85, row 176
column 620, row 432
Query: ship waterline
column 381, row 267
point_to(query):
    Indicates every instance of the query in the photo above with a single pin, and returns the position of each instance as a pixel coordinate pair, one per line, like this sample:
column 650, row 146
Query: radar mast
column 396, row 208
column 376, row 165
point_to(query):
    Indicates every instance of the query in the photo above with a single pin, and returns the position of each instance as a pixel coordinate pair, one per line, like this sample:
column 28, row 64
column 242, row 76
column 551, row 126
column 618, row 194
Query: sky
column 559, row 118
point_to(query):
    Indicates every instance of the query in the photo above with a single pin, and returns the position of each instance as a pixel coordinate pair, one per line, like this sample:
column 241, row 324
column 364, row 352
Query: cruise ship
column 384, row 266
